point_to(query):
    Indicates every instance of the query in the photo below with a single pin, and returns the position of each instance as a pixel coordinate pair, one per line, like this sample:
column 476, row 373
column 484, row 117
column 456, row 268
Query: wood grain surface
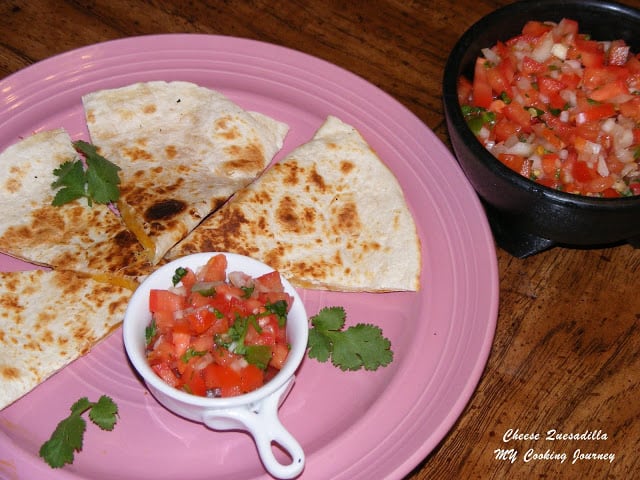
column 566, row 351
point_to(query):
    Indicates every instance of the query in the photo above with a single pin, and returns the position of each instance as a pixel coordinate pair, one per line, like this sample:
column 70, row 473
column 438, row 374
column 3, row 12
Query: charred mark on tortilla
column 164, row 209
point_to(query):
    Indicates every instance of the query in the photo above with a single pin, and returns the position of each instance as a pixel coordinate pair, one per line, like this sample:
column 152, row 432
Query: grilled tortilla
column 183, row 150
column 47, row 320
column 73, row 236
column 329, row 216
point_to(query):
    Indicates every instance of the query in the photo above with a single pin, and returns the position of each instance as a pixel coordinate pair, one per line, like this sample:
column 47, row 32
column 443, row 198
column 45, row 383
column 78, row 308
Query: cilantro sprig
column 359, row 346
column 96, row 179
column 68, row 436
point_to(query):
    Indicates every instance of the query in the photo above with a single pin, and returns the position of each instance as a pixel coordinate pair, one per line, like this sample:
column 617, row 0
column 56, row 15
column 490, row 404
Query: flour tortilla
column 183, row 150
column 47, row 320
column 73, row 236
column 329, row 216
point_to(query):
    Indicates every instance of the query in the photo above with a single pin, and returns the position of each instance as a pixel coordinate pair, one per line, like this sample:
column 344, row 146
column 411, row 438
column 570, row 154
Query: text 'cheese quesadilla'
column 183, row 150
column 47, row 320
column 73, row 236
column 329, row 216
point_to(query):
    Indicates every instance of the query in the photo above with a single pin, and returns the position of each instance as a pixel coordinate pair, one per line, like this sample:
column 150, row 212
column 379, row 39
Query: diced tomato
column 514, row 162
column 595, row 112
column 482, row 94
column 194, row 384
column 224, row 357
column 635, row 188
column 610, row 193
column 200, row 320
column 267, row 333
column 229, row 291
column 499, row 83
column 189, row 279
column 270, row 282
column 273, row 297
column 631, row 109
column 165, row 300
column 162, row 351
column 251, row 378
column 550, row 163
column 531, row 66
column 618, row 53
column 589, row 52
column 571, row 80
column 164, row 320
column 181, row 338
column 566, row 27
column 464, row 90
column 215, row 269
column 535, row 28
column 599, row 184
column 166, row 374
column 518, row 114
column 279, row 354
column 222, row 378
column 582, row 172
column 202, row 343
column 609, row 91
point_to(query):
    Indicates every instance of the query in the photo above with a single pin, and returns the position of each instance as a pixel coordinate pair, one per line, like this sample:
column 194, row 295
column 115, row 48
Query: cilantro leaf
column 329, row 318
column 359, row 346
column 97, row 181
column 65, row 440
column 362, row 345
column 150, row 331
column 71, row 179
column 104, row 413
column 178, row 275
column 258, row 355
column 102, row 175
column 191, row 353
column 279, row 309
column 68, row 436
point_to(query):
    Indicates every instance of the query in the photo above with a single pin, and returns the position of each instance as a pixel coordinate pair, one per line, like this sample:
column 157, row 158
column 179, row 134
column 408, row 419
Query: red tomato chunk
column 559, row 108
column 214, row 337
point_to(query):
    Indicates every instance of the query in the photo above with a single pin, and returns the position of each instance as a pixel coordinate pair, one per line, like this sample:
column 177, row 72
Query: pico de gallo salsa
column 214, row 337
column 559, row 108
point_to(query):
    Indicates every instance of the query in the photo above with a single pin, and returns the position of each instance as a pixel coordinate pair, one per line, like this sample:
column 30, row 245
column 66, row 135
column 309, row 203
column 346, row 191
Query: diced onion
column 602, row 168
column 521, row 148
column 559, row 51
column 491, row 55
column 542, row 52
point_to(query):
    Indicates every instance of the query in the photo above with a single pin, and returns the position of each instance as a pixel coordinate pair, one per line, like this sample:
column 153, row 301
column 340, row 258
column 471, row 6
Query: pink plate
column 351, row 425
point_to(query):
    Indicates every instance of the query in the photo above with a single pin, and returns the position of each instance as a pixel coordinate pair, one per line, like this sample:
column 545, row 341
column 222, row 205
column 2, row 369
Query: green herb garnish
column 98, row 181
column 359, row 346
column 279, row 309
column 150, row 331
column 258, row 355
column 191, row 353
column 247, row 291
column 68, row 436
column 477, row 117
column 178, row 275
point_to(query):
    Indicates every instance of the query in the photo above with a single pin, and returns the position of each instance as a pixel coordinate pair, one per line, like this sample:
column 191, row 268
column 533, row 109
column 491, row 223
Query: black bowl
column 526, row 217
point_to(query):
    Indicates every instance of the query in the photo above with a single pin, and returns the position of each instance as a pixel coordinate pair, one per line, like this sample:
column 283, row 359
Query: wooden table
column 566, row 355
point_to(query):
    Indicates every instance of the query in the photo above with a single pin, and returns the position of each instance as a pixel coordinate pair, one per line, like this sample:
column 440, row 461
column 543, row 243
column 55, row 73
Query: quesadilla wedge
column 47, row 320
column 330, row 215
column 183, row 150
column 73, row 236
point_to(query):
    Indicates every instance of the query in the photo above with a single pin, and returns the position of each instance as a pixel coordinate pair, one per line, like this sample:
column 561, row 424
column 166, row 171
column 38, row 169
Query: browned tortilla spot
column 164, row 209
column 9, row 373
column 171, row 152
column 135, row 153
